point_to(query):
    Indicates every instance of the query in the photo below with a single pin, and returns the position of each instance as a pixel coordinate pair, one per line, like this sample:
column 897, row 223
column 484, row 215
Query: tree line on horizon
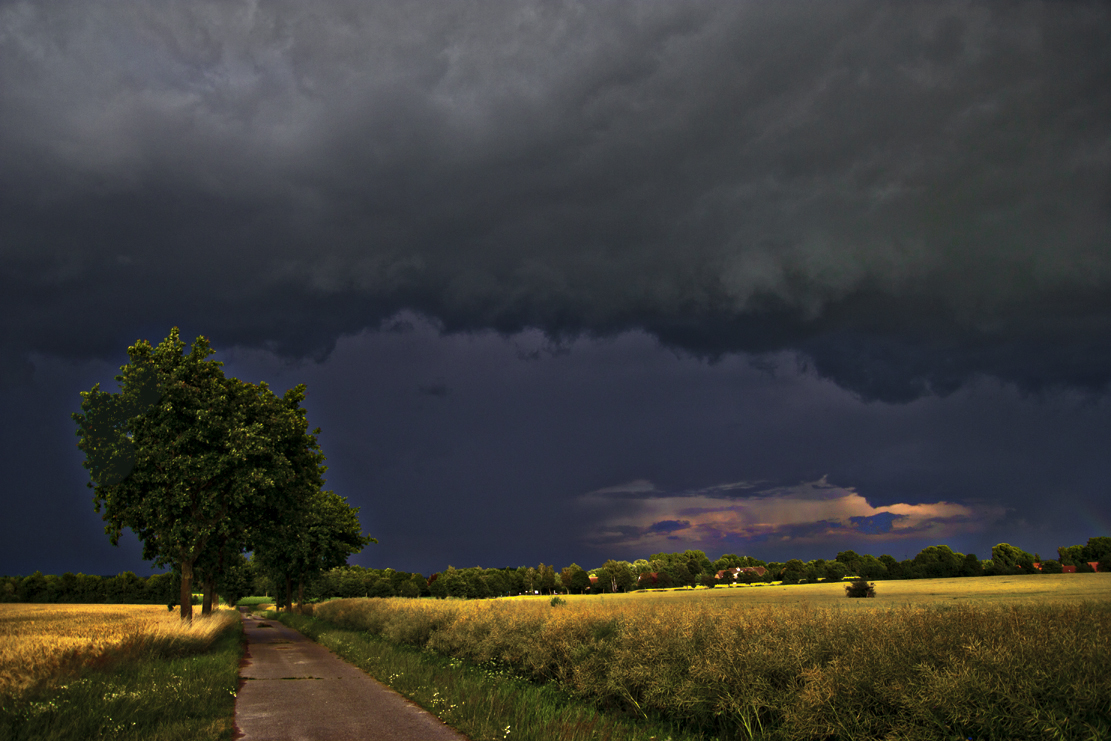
column 251, row 576
column 204, row 468
column 693, row 568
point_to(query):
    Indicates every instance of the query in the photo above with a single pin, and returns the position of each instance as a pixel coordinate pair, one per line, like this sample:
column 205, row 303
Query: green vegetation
column 1025, row 670
column 314, row 538
column 203, row 467
column 84, row 589
column 1097, row 550
column 163, row 694
column 483, row 701
column 669, row 571
column 242, row 577
column 860, row 588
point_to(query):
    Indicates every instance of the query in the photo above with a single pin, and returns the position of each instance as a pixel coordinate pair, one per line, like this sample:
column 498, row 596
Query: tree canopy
column 197, row 464
column 316, row 535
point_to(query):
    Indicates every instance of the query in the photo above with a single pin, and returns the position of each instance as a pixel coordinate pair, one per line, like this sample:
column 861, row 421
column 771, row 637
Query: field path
column 292, row 689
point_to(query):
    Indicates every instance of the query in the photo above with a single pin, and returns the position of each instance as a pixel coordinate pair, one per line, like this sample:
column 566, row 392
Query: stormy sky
column 572, row 281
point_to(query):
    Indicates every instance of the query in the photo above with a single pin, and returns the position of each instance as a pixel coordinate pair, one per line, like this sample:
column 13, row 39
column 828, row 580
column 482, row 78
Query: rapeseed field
column 793, row 664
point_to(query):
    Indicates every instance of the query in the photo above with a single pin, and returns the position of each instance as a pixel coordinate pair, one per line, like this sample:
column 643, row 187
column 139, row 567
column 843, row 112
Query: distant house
column 648, row 579
column 593, row 579
column 1069, row 568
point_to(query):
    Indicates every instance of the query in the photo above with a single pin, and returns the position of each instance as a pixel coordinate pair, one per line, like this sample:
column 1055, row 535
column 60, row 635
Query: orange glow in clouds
column 808, row 512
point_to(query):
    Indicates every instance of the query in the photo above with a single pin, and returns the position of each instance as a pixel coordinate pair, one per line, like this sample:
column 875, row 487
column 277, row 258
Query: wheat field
column 39, row 643
column 996, row 590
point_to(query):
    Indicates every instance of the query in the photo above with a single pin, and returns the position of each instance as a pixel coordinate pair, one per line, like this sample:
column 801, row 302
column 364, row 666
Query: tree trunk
column 219, row 570
column 187, row 591
column 300, row 594
column 209, row 588
column 289, row 593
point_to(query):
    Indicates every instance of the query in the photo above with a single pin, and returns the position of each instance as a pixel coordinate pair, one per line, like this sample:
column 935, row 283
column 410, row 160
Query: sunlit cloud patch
column 639, row 514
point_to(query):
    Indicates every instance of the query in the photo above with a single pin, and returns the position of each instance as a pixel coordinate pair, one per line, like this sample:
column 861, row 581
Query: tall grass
column 483, row 702
column 1024, row 671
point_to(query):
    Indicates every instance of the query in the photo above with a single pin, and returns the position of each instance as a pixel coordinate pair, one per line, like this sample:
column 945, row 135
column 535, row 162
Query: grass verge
column 168, row 692
column 254, row 601
column 484, row 702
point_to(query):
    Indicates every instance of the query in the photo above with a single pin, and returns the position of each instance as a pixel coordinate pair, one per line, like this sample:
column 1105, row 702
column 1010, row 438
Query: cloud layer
column 906, row 198
column 743, row 516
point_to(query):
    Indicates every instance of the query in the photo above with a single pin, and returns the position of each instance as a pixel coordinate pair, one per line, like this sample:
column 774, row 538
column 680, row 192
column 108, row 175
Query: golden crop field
column 1001, row 590
column 40, row 642
column 989, row 657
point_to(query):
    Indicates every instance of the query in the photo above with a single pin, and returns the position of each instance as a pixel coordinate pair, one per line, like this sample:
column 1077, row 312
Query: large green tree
column 938, row 562
column 1098, row 548
column 1007, row 558
column 546, row 578
column 575, row 578
column 318, row 534
column 616, row 576
column 186, row 457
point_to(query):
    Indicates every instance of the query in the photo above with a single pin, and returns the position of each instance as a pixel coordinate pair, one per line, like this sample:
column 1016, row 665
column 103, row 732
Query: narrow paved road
column 292, row 689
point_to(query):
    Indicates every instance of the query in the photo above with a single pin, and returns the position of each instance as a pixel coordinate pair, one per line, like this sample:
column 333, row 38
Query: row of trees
column 671, row 569
column 203, row 467
column 476, row 582
column 244, row 577
column 1097, row 550
column 693, row 567
column 939, row 561
column 251, row 576
column 125, row 588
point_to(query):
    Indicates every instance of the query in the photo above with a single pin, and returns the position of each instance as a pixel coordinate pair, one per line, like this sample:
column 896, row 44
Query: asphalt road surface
column 292, row 689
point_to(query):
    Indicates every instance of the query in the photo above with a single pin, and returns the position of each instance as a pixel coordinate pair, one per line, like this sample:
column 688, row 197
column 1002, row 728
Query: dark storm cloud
column 499, row 472
column 668, row 526
column 907, row 197
column 876, row 524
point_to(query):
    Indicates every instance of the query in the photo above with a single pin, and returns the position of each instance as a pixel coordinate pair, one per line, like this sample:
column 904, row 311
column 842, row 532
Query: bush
column 1051, row 567
column 860, row 588
column 557, row 601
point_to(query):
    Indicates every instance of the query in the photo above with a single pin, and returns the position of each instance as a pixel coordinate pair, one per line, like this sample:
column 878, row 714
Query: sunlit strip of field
column 1067, row 588
column 40, row 642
